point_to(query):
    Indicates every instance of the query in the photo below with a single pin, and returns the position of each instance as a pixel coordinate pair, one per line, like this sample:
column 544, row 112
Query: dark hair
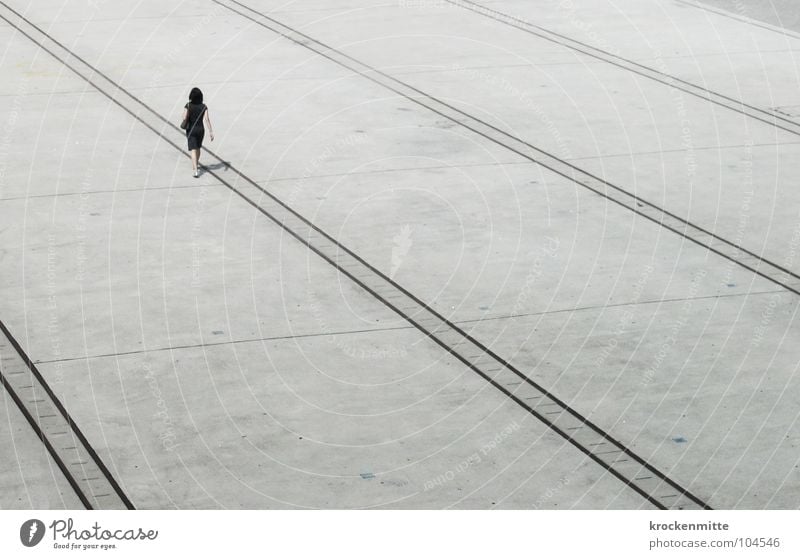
column 196, row 96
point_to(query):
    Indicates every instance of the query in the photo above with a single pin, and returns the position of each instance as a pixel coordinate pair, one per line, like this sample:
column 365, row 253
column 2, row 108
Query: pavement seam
column 398, row 170
column 397, row 328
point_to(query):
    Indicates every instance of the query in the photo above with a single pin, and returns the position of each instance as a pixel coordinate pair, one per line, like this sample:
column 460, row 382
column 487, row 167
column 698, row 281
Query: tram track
column 598, row 445
column 766, row 116
column 78, row 461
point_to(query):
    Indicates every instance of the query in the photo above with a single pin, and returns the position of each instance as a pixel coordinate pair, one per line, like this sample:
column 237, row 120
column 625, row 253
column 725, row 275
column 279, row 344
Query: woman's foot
column 196, row 173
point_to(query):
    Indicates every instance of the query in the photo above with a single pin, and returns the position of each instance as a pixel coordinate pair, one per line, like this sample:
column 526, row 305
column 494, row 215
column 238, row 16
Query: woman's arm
column 208, row 123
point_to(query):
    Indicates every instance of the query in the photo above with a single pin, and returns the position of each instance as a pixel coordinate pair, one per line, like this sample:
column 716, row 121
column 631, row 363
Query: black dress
column 194, row 125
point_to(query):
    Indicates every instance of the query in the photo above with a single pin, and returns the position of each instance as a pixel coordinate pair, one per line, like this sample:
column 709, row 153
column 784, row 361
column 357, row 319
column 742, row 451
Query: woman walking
column 194, row 113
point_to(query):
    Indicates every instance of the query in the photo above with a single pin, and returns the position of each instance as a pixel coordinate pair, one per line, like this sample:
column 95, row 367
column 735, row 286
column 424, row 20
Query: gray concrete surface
column 213, row 361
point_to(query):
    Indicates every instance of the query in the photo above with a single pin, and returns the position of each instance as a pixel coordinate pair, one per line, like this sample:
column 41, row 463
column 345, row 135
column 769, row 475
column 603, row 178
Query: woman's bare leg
column 195, row 157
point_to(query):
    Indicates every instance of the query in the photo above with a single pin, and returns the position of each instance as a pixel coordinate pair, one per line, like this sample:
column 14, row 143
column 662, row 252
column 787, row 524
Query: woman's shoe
column 196, row 173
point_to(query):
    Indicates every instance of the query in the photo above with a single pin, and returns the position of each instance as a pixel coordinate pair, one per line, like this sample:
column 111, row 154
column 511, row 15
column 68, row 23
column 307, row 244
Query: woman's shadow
column 224, row 165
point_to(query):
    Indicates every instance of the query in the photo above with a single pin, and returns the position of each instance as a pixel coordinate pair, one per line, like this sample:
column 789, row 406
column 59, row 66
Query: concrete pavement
column 214, row 361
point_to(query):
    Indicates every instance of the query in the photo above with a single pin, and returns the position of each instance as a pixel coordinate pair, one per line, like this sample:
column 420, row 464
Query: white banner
column 398, row 534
